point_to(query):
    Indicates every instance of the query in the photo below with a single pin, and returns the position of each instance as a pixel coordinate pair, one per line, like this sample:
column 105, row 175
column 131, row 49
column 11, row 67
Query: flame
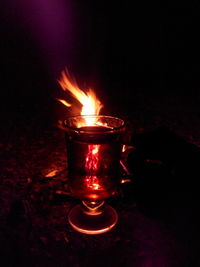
column 64, row 102
column 90, row 106
column 90, row 103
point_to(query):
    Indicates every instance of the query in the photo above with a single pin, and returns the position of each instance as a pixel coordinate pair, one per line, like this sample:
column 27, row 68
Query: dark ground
column 158, row 211
column 151, row 80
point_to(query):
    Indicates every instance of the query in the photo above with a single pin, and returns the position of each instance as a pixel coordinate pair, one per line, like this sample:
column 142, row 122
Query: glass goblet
column 94, row 147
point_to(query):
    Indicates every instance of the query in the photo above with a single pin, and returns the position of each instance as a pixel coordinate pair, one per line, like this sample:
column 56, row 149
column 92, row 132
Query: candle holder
column 94, row 147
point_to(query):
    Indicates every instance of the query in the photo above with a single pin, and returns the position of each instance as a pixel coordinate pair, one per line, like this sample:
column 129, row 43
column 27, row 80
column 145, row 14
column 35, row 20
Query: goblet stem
column 93, row 207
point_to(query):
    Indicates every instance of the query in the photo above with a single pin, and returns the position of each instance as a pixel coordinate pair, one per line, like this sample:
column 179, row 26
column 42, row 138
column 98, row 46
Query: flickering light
column 90, row 103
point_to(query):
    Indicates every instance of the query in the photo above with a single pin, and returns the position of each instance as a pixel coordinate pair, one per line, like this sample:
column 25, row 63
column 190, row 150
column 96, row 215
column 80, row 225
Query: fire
column 90, row 103
column 90, row 106
column 64, row 102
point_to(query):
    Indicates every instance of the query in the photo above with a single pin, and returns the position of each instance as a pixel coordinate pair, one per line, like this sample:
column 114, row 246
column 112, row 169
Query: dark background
column 141, row 58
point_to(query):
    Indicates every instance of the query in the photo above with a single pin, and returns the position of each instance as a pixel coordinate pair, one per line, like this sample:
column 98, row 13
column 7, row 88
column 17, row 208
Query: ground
column 157, row 224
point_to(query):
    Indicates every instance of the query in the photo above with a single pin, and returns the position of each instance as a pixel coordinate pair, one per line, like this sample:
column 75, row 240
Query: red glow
column 92, row 166
column 93, row 182
column 92, row 158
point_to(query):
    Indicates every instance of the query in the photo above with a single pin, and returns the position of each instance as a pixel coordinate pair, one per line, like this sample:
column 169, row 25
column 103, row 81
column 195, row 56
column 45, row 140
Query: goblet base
column 92, row 224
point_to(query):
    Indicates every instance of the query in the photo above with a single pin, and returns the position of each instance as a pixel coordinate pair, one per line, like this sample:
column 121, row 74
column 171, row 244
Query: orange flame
column 64, row 102
column 90, row 106
column 90, row 103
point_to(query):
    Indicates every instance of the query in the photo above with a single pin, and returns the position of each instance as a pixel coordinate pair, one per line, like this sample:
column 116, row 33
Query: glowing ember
column 90, row 103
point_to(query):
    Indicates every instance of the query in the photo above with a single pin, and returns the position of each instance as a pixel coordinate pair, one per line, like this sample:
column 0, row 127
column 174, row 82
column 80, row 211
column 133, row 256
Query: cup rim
column 109, row 129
